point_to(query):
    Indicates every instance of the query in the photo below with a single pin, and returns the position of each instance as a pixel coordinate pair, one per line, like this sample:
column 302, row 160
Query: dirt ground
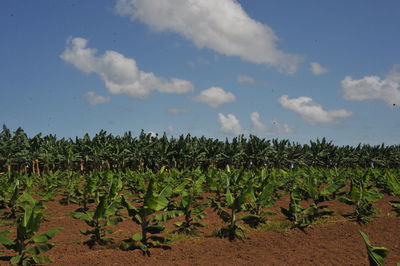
column 334, row 241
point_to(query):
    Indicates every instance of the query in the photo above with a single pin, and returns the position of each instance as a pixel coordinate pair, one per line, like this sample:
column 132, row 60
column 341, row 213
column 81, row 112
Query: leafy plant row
column 39, row 154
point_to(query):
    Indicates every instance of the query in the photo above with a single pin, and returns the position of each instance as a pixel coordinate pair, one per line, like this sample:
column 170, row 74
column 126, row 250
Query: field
column 119, row 200
column 304, row 216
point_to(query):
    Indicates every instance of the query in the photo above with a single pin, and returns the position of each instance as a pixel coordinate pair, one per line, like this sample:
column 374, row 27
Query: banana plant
column 190, row 206
column 376, row 255
column 99, row 220
column 394, row 185
column 145, row 216
column 239, row 192
column 28, row 243
column 361, row 195
column 264, row 197
column 304, row 217
column 10, row 197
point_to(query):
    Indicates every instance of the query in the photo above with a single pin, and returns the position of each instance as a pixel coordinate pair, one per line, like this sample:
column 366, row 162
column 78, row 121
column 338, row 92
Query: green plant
column 304, row 217
column 376, row 255
column 150, row 223
column 99, row 220
column 394, row 184
column 238, row 194
column 361, row 195
column 263, row 198
column 190, row 207
column 28, row 243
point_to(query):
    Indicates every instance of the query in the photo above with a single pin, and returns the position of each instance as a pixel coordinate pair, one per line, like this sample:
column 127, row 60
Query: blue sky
column 288, row 69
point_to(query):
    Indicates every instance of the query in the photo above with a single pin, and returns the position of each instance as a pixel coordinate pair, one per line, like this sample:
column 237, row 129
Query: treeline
column 39, row 154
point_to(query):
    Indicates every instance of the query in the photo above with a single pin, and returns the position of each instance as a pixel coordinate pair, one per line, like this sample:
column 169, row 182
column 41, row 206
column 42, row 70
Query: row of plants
column 240, row 197
column 39, row 154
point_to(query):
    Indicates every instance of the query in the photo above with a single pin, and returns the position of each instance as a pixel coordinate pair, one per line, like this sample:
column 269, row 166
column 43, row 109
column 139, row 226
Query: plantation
column 150, row 200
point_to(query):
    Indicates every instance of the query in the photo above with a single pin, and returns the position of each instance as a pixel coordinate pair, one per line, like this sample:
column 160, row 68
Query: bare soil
column 333, row 241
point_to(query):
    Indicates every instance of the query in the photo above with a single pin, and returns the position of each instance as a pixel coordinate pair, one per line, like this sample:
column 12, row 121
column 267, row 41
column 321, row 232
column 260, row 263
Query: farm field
column 111, row 200
column 316, row 238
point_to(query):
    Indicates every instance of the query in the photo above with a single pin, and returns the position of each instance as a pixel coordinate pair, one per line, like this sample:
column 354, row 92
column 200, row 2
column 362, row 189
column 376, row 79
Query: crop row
column 39, row 154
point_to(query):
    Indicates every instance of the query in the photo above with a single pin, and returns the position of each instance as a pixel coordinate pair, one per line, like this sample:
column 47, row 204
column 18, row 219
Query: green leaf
column 162, row 200
column 36, row 250
column 229, row 197
column 4, row 239
column 100, row 209
column 41, row 260
column 81, row 215
column 16, row 259
column 376, row 255
column 115, row 220
column 137, row 237
column 46, row 236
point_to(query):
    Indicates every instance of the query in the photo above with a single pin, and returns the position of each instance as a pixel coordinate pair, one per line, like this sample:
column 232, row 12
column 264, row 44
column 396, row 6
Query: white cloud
column 244, row 79
column 93, row 99
column 222, row 26
column 312, row 111
column 177, row 111
column 317, row 69
column 374, row 87
column 119, row 73
column 276, row 128
column 230, row 125
column 214, row 97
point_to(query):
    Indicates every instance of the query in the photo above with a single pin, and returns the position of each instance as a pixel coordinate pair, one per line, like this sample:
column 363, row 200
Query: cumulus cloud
column 374, row 87
column 177, row 111
column 317, row 69
column 311, row 111
column 222, row 26
column 215, row 96
column 94, row 99
column 230, row 125
column 276, row 128
column 119, row 73
column 244, row 79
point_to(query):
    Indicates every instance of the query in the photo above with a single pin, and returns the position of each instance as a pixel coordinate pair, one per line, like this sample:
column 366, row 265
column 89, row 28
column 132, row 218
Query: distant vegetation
column 39, row 154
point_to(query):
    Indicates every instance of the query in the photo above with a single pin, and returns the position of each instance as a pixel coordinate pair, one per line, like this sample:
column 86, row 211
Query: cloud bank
column 311, row 111
column 119, row 73
column 374, row 87
column 222, row 26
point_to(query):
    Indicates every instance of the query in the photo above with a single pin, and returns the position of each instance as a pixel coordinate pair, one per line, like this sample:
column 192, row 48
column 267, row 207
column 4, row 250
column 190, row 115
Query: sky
column 297, row 70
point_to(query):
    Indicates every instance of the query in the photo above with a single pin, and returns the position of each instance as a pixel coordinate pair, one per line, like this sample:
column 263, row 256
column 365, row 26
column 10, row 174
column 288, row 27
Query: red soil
column 335, row 241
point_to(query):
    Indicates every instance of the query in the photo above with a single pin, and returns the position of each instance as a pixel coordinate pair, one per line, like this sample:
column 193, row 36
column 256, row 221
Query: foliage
column 150, row 223
column 190, row 206
column 376, row 255
column 362, row 193
column 99, row 220
column 238, row 193
column 28, row 243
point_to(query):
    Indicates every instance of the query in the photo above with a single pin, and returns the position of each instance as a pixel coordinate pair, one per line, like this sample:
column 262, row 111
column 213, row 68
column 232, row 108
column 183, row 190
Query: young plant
column 304, row 217
column 190, row 207
column 98, row 220
column 150, row 223
column 376, row 255
column 263, row 198
column 361, row 195
column 28, row 243
column 237, row 196
column 394, row 184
